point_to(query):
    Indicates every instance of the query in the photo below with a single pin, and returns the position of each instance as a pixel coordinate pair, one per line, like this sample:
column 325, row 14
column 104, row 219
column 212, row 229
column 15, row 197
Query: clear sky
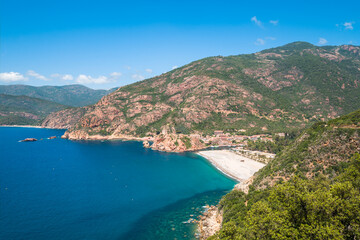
column 108, row 43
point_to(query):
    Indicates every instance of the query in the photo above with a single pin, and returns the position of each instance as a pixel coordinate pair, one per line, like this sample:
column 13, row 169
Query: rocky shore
column 235, row 166
column 82, row 135
column 210, row 222
column 166, row 141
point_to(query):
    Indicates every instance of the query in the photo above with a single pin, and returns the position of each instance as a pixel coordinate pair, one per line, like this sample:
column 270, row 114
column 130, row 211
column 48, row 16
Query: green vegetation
column 350, row 120
column 297, row 209
column 278, row 144
column 330, row 146
column 311, row 190
column 186, row 141
column 281, row 89
column 70, row 95
column 23, row 110
column 29, row 105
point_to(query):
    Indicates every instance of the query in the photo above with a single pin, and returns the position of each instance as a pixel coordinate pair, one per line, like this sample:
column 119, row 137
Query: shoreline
column 234, row 166
column 30, row 126
column 109, row 138
column 219, row 168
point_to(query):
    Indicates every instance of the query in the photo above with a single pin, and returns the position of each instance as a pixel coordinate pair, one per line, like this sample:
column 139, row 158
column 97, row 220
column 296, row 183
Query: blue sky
column 103, row 44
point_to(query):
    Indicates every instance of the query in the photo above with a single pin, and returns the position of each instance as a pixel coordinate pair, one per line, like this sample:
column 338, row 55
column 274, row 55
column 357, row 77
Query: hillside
column 309, row 191
column 64, row 119
column 288, row 87
column 322, row 149
column 70, row 95
column 24, row 110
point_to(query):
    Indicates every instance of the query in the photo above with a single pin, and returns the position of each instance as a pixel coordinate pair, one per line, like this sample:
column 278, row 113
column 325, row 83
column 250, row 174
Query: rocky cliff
column 64, row 119
column 281, row 88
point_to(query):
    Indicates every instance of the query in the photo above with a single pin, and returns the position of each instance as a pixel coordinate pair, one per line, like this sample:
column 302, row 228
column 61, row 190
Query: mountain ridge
column 24, row 110
column 287, row 87
column 75, row 95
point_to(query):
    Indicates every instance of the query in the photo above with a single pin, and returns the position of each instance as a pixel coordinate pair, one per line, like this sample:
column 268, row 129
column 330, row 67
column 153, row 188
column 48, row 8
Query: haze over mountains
column 287, row 87
column 72, row 95
column 24, row 110
column 29, row 105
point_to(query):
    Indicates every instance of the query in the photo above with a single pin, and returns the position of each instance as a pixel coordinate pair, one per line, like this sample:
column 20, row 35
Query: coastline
column 111, row 137
column 231, row 164
column 237, row 167
column 28, row 126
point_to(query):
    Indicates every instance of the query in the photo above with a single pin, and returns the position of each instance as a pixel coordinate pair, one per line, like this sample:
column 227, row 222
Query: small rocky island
column 29, row 140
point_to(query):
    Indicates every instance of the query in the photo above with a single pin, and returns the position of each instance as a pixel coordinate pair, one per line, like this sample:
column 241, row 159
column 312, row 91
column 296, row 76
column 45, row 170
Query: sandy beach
column 23, row 126
column 27, row 126
column 235, row 166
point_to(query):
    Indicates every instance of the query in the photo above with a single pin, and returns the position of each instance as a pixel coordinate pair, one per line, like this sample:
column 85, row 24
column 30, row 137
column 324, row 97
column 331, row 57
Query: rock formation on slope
column 281, row 88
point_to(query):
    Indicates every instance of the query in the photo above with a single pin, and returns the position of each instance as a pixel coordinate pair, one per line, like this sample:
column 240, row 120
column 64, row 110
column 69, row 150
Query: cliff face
column 64, row 119
column 169, row 141
column 281, row 88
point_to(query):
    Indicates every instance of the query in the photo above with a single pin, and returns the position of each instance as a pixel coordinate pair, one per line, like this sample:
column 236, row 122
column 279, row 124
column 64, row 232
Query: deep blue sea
column 61, row 189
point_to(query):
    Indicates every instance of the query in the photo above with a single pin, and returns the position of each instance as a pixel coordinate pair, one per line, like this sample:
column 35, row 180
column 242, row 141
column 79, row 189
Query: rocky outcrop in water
column 209, row 223
column 29, row 140
column 146, row 144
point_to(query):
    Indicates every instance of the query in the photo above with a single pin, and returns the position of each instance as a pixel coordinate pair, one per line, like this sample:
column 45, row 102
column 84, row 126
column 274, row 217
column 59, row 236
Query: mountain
column 71, row 95
column 64, row 119
column 309, row 191
column 24, row 110
column 278, row 89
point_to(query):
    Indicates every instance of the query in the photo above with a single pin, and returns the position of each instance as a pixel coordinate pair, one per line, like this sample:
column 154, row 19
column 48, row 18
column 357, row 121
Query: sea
column 106, row 190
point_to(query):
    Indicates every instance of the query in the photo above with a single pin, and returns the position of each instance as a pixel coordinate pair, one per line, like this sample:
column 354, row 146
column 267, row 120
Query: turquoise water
column 61, row 189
